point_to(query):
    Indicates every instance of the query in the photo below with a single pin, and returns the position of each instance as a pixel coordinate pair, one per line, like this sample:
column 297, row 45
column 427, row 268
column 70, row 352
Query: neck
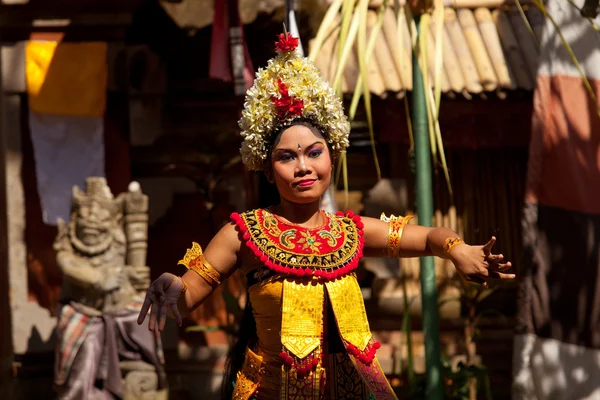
column 307, row 215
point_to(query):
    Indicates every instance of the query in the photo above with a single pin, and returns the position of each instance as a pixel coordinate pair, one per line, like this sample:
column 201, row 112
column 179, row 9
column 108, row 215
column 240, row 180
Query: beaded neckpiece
column 328, row 252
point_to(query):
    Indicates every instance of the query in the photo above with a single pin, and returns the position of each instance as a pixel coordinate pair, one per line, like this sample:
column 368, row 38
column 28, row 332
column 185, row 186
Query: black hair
column 246, row 337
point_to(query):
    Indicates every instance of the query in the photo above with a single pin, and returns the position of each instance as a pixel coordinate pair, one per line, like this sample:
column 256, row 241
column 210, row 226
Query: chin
column 305, row 197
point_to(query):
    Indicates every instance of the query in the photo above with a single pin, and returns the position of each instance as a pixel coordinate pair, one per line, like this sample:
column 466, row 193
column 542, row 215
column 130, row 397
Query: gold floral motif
column 335, row 228
column 271, row 225
column 302, row 317
column 349, row 309
column 308, row 241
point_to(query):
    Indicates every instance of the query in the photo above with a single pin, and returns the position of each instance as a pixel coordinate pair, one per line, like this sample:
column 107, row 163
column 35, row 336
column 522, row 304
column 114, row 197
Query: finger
column 145, row 308
column 153, row 314
column 160, row 295
column 494, row 257
column 176, row 314
column 500, row 276
column 505, row 266
column 162, row 321
column 475, row 278
column 487, row 248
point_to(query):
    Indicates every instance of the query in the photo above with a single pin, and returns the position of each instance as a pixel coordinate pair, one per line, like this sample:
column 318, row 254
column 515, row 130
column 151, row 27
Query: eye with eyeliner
column 284, row 156
column 315, row 153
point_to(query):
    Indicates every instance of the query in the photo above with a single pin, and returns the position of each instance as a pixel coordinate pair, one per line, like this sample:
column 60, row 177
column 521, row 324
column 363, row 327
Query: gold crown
column 289, row 89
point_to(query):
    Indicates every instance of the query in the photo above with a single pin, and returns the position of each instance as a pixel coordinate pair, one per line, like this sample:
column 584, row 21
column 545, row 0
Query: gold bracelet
column 194, row 260
column 185, row 286
column 396, row 228
column 450, row 243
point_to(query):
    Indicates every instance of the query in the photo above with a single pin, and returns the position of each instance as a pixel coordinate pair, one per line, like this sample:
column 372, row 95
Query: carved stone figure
column 102, row 352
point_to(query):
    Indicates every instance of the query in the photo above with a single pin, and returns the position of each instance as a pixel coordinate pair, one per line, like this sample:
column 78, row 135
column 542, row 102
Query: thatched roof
column 483, row 50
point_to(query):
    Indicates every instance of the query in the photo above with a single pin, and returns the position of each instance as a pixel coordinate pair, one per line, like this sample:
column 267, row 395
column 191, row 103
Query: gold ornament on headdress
column 290, row 88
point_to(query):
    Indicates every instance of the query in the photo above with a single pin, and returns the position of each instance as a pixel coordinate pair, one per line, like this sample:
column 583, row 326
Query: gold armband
column 194, row 260
column 450, row 243
column 396, row 228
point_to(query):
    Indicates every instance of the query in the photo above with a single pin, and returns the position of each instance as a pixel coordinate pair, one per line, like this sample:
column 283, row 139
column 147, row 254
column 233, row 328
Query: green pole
column 424, row 197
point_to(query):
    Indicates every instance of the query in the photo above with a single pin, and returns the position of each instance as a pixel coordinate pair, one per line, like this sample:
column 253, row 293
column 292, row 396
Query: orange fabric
column 66, row 78
column 564, row 158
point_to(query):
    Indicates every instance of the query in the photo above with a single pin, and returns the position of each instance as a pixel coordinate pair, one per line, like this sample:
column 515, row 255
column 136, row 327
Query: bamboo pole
column 376, row 85
column 465, row 59
column 384, row 59
column 434, row 389
column 489, row 33
column 351, row 71
column 431, row 40
column 451, row 64
column 482, row 61
column 326, row 59
column 461, row 3
column 482, row 3
column 515, row 59
column 401, row 53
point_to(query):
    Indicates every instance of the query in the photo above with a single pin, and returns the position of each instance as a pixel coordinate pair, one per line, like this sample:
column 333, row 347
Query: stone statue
column 102, row 352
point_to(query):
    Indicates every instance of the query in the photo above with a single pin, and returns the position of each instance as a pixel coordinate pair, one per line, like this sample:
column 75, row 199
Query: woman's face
column 301, row 164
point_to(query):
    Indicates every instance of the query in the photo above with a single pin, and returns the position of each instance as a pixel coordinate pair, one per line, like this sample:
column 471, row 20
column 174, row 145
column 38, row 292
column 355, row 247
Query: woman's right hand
column 161, row 296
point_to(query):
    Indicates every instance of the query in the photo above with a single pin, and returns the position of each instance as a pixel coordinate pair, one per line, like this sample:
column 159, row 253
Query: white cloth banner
column 67, row 150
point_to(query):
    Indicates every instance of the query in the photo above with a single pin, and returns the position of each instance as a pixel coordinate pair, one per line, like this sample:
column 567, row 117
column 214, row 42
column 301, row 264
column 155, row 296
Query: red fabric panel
column 564, row 163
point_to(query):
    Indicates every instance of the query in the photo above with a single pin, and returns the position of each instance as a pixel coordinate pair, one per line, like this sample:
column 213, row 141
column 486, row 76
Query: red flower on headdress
column 286, row 105
column 286, row 43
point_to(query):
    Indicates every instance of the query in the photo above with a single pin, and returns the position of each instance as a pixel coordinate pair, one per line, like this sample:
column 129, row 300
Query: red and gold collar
column 329, row 251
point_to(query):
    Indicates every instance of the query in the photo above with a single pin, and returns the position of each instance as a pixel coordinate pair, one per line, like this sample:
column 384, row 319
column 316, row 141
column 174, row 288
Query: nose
column 94, row 210
column 302, row 167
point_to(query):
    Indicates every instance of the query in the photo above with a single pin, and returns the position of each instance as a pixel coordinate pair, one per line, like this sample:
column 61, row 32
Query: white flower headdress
column 289, row 89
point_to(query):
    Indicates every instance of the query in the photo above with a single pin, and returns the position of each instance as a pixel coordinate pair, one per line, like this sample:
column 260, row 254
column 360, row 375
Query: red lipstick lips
column 305, row 182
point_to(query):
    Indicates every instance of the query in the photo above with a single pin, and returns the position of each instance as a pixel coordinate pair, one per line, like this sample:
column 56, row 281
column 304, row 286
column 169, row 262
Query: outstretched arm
column 474, row 263
column 164, row 296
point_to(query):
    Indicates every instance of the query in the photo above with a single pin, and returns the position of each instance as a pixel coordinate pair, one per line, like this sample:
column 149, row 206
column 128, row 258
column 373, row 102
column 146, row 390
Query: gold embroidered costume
column 304, row 299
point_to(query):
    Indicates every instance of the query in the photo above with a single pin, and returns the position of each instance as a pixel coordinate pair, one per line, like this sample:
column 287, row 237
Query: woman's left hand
column 478, row 264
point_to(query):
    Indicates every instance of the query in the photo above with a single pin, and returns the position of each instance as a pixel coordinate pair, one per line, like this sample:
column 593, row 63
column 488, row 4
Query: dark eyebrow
column 294, row 151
